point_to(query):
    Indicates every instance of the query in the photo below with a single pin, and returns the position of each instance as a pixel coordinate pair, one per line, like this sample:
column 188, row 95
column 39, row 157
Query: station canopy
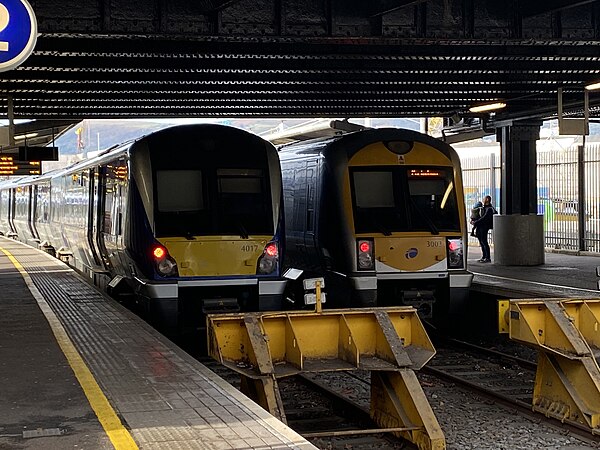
column 317, row 58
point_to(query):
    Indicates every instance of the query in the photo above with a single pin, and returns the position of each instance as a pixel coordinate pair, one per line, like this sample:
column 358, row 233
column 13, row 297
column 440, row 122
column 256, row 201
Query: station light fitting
column 487, row 107
column 593, row 86
column 20, row 137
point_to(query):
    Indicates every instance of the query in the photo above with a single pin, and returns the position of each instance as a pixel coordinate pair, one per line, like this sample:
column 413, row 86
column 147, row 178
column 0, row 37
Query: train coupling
column 566, row 333
column 390, row 342
column 421, row 300
column 220, row 305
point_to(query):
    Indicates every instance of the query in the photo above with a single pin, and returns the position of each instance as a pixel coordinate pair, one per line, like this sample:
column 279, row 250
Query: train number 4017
column 249, row 248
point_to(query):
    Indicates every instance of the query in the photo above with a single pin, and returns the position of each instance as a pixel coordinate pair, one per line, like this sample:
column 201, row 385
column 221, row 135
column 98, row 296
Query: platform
column 78, row 370
column 563, row 275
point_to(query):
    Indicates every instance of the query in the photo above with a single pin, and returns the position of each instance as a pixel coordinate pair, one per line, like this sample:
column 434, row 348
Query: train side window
column 310, row 197
column 300, row 200
column 116, row 177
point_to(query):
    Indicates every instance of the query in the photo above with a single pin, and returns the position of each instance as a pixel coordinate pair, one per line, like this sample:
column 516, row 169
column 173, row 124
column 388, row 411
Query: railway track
column 326, row 416
column 331, row 409
column 504, row 378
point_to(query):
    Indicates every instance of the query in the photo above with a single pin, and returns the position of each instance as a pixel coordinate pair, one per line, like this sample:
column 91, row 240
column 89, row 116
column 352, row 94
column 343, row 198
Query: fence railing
column 570, row 222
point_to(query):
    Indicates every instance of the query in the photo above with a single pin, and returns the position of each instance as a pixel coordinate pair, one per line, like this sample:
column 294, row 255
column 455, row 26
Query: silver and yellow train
column 185, row 220
column 379, row 214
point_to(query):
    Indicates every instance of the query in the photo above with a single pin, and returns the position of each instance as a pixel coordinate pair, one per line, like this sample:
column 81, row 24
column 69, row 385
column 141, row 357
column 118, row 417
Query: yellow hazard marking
column 117, row 433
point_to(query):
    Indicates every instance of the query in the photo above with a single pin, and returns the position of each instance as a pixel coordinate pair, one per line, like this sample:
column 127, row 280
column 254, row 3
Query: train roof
column 354, row 141
column 121, row 148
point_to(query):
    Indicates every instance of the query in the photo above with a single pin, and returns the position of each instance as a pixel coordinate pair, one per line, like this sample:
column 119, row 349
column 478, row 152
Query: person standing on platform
column 483, row 225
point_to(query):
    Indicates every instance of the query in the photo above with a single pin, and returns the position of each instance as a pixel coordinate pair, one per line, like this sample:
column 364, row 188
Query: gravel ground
column 469, row 421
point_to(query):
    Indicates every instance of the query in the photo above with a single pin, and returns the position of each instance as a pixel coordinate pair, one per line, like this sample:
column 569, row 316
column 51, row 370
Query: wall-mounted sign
column 9, row 166
column 18, row 33
column 38, row 153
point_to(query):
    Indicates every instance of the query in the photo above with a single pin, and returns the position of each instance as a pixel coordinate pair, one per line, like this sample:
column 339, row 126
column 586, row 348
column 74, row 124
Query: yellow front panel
column 415, row 253
column 216, row 255
column 378, row 155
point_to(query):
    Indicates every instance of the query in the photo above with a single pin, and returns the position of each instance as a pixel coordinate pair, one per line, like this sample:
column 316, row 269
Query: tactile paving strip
column 166, row 398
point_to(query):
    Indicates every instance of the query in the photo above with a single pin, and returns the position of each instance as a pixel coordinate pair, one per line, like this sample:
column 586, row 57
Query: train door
column 99, row 208
column 312, row 181
column 113, row 200
column 31, row 213
column 11, row 211
column 92, row 229
column 299, row 212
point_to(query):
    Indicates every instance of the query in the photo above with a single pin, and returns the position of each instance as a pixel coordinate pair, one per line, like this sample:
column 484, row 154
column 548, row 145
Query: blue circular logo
column 411, row 253
column 18, row 33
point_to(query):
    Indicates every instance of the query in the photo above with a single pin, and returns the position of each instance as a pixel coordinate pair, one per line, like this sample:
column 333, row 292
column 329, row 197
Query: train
column 196, row 219
column 379, row 215
column 185, row 221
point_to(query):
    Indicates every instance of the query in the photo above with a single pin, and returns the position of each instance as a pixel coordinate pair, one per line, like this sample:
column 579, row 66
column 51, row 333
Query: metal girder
column 382, row 7
column 392, row 50
column 533, row 8
column 389, row 342
column 566, row 333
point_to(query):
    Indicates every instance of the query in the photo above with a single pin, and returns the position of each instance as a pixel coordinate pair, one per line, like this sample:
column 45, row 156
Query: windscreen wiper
column 428, row 221
column 380, row 227
column 243, row 231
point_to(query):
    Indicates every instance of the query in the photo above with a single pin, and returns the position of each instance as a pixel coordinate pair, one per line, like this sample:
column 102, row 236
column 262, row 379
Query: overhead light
column 593, row 86
column 25, row 136
column 488, row 107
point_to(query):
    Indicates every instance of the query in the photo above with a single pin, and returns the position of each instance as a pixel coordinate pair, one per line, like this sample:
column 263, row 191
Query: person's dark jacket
column 486, row 220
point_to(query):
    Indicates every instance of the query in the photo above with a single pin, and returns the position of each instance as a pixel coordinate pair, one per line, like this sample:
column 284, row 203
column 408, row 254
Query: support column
column 519, row 231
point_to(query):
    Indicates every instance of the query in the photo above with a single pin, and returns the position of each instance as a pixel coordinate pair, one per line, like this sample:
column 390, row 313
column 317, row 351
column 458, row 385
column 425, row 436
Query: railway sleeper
column 566, row 333
column 390, row 342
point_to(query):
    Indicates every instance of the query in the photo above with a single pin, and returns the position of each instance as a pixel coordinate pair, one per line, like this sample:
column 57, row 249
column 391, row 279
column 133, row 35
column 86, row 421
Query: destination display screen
column 10, row 166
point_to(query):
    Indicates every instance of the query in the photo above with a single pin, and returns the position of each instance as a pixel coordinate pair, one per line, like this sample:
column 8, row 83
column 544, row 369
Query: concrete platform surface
column 107, row 379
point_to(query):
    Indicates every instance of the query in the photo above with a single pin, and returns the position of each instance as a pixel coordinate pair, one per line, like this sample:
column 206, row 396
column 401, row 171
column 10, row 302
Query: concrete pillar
column 519, row 231
column 519, row 240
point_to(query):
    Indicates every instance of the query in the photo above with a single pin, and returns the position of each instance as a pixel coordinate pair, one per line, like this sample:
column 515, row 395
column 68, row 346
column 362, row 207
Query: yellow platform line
column 119, row 436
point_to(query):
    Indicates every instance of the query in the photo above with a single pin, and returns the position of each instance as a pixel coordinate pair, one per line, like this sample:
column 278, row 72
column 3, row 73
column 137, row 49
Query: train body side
column 186, row 220
column 379, row 213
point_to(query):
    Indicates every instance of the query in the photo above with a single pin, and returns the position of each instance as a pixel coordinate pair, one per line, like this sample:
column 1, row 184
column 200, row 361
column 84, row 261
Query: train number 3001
column 434, row 243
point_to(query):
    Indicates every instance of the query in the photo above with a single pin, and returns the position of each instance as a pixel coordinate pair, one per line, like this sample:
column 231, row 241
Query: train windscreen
column 213, row 201
column 390, row 199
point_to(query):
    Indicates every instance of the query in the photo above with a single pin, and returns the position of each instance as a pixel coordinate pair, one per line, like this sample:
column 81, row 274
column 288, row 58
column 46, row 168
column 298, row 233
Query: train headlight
column 455, row 253
column 268, row 261
column 165, row 265
column 365, row 251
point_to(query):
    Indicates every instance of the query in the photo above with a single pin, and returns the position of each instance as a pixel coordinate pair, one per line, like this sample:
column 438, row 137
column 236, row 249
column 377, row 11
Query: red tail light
column 455, row 253
column 453, row 246
column 164, row 263
column 269, row 260
column 271, row 250
column 365, row 258
column 159, row 252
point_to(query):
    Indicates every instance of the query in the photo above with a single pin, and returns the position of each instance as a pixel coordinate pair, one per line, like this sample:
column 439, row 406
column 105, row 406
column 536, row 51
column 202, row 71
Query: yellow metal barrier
column 567, row 335
column 390, row 342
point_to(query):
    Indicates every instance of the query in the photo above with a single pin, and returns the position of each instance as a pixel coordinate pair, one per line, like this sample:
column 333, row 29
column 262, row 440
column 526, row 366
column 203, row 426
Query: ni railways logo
column 18, row 33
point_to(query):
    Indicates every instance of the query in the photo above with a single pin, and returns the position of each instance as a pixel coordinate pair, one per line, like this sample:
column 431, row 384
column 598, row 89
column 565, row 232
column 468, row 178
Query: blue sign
column 18, row 33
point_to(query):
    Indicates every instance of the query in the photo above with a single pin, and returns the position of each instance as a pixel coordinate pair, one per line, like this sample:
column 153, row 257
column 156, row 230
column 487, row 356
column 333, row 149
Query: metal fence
column 481, row 177
column 559, row 172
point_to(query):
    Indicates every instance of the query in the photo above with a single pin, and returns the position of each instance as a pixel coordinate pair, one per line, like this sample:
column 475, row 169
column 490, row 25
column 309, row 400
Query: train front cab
column 214, row 245
column 409, row 226
column 390, row 227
